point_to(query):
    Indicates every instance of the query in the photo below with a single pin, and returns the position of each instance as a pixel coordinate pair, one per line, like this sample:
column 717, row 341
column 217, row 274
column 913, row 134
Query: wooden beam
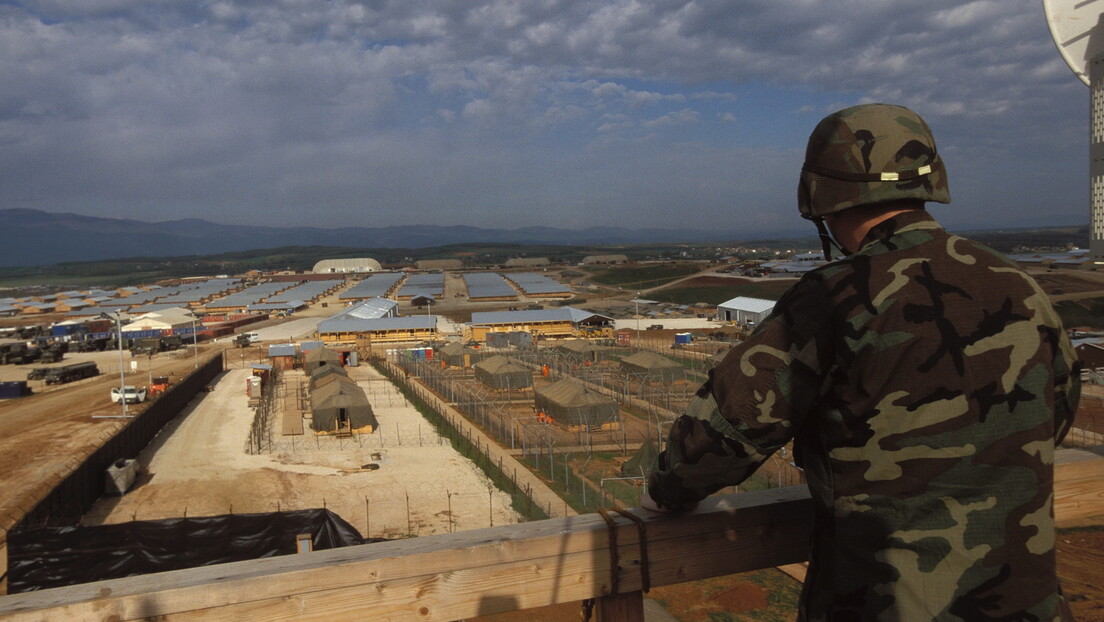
column 627, row 607
column 455, row 576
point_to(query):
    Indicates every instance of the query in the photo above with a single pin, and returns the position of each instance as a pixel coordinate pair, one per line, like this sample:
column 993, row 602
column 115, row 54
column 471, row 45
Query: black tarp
column 58, row 556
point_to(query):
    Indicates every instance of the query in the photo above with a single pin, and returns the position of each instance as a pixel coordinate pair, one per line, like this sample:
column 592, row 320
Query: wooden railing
column 609, row 558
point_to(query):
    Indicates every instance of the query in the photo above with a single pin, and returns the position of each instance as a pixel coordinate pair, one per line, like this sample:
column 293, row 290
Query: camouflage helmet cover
column 869, row 154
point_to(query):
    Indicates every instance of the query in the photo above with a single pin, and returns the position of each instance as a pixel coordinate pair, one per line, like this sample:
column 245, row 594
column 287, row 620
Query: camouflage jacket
column 925, row 381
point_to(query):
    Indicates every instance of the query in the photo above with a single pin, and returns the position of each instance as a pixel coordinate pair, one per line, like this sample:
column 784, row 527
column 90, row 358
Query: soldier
column 925, row 381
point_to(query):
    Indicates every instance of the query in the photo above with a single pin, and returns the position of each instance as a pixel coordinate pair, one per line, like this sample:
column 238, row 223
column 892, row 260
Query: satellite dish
column 1078, row 31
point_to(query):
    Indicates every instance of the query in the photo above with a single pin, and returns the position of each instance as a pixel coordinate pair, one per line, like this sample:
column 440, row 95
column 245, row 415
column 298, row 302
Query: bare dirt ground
column 43, row 436
column 202, row 467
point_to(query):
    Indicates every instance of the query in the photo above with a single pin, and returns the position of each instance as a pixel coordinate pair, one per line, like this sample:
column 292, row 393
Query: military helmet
column 868, row 154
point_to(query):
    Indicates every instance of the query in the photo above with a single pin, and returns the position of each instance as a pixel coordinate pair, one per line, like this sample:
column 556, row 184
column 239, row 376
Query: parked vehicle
column 133, row 395
column 159, row 385
column 20, row 354
column 69, row 373
column 51, row 355
column 95, row 344
column 153, row 345
column 244, row 339
column 38, row 373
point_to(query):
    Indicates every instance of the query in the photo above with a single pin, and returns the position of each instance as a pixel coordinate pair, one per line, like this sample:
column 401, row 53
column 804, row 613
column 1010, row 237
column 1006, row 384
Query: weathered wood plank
column 453, row 576
column 625, row 607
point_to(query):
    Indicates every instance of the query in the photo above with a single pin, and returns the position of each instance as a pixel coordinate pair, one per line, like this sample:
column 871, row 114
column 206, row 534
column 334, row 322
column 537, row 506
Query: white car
column 133, row 394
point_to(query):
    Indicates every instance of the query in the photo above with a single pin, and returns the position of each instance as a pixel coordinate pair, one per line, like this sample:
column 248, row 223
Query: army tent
column 319, row 373
column 499, row 372
column 340, row 406
column 571, row 403
column 326, row 380
column 457, row 354
column 642, row 462
column 581, row 348
column 651, row 367
column 320, row 357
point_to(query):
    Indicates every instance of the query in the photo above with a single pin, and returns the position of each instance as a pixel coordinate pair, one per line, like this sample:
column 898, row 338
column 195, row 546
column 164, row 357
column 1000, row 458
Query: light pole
column 637, row 301
column 195, row 343
column 122, row 374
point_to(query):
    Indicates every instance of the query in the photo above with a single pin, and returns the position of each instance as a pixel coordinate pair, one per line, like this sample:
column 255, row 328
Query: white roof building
column 339, row 266
column 166, row 319
column 745, row 310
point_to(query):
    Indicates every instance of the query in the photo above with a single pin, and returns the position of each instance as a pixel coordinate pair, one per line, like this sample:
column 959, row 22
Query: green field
column 769, row 290
column 644, row 277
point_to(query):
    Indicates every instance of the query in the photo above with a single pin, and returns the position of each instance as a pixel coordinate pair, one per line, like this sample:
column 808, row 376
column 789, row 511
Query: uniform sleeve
column 1067, row 386
column 753, row 403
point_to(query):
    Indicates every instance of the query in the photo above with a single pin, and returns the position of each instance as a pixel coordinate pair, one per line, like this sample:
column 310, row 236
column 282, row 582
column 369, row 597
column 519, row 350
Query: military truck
column 38, row 373
column 20, row 354
column 69, row 373
column 153, row 345
column 51, row 355
column 95, row 344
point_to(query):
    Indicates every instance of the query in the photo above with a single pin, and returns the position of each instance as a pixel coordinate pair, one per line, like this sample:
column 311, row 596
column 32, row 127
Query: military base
column 423, row 414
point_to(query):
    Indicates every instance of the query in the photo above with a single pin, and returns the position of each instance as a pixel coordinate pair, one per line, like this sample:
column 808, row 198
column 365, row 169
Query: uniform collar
column 905, row 221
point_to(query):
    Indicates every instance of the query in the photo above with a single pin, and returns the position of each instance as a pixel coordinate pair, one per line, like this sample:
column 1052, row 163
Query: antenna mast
column 1077, row 27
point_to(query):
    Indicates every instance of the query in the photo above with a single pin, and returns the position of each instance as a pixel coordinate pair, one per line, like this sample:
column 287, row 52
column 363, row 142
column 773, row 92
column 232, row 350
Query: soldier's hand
column 649, row 504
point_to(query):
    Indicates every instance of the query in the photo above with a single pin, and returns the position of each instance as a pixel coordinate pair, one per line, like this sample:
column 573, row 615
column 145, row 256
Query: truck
column 158, row 385
column 20, row 354
column 72, row 372
column 244, row 339
column 133, row 395
column 153, row 345
column 93, row 344
column 38, row 373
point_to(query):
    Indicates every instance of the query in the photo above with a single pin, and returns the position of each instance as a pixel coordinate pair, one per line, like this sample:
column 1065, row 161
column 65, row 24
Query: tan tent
column 571, row 403
column 318, row 373
column 341, row 406
column 328, row 379
column 319, row 357
column 499, row 372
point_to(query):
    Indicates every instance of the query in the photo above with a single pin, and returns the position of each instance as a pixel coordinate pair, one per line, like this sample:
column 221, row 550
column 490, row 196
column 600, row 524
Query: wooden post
column 626, row 607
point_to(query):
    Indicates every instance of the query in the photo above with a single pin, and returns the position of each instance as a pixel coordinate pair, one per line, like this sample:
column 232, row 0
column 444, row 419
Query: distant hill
column 36, row 238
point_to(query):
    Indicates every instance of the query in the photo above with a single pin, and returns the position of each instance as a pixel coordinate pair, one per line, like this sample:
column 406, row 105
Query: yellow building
column 558, row 323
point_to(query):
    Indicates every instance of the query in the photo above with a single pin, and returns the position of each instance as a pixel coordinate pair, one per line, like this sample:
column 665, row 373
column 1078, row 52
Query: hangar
column 343, row 266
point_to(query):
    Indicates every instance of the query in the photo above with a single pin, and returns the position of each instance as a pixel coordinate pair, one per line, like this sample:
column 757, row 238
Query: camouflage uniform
column 925, row 380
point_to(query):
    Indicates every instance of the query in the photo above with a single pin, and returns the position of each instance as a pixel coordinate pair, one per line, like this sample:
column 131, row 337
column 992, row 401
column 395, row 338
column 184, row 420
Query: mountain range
column 35, row 238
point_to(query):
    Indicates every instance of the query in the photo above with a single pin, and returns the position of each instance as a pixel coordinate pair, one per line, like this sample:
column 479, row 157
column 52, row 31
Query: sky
column 686, row 114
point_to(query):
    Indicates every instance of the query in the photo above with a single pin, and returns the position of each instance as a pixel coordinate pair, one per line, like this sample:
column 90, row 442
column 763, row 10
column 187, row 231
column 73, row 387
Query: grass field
column 643, row 277
column 717, row 290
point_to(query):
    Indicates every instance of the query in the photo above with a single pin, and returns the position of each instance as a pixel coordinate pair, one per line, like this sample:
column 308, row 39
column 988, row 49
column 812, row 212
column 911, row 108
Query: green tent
column 642, row 462
column 499, row 372
column 584, row 349
column 572, row 403
column 652, row 367
column 457, row 354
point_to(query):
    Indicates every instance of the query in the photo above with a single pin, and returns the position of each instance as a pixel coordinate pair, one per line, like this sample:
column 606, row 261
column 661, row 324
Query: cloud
column 438, row 111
